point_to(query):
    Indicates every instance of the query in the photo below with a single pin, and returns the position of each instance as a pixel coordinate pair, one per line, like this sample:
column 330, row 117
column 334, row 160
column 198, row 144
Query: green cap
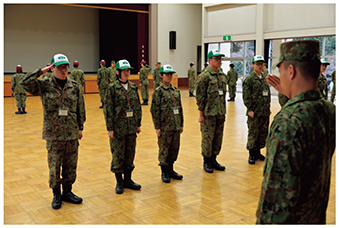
column 158, row 63
column 323, row 61
column 301, row 50
column 123, row 64
column 59, row 59
column 166, row 69
column 258, row 58
column 213, row 53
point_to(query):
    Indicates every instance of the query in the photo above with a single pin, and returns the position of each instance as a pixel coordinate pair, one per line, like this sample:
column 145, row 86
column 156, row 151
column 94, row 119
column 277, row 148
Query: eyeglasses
column 63, row 66
column 259, row 64
column 216, row 58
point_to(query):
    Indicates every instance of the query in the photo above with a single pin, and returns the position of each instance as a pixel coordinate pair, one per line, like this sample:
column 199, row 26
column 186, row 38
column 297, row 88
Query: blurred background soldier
column 322, row 81
column 191, row 79
column 102, row 81
column 143, row 81
column 18, row 91
column 157, row 80
column 333, row 90
column 232, row 78
column 111, row 71
column 78, row 75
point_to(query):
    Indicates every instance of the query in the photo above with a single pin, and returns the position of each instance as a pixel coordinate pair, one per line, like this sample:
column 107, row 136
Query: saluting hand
column 45, row 69
column 275, row 82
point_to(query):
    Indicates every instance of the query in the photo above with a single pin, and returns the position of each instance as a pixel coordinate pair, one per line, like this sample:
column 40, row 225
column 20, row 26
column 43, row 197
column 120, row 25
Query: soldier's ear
column 292, row 70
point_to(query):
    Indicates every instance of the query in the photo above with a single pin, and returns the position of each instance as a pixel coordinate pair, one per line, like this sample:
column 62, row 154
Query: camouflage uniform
column 333, row 90
column 60, row 132
column 156, row 78
column 282, row 99
column 232, row 78
column 265, row 72
column 168, row 122
column 143, row 79
column 124, row 141
column 78, row 76
column 103, row 81
column 19, row 92
column 191, row 78
column 322, row 85
column 297, row 168
column 214, row 107
column 47, row 75
column 254, row 100
column 112, row 74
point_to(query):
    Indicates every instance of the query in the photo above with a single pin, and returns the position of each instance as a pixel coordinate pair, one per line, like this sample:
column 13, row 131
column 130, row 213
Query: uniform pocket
column 52, row 101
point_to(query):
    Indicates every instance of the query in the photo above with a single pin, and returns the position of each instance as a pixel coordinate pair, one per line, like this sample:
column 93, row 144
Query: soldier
column 143, row 81
column 49, row 73
column 301, row 143
column 211, row 101
column 199, row 76
column 157, row 80
column 191, row 79
column 168, row 119
column 78, row 75
column 322, row 81
column 232, row 78
column 265, row 70
column 257, row 99
column 18, row 91
column 102, row 81
column 282, row 99
column 122, row 113
column 111, row 71
column 333, row 90
column 64, row 118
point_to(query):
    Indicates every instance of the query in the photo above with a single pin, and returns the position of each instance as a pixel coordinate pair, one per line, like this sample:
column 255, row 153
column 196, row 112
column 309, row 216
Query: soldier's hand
column 275, row 82
column 181, row 130
column 251, row 114
column 45, row 69
column 138, row 130
column 111, row 134
column 80, row 134
column 158, row 132
column 139, row 84
column 201, row 117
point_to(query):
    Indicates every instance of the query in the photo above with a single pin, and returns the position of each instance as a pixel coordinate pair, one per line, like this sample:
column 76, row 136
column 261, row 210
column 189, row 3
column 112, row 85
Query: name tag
column 175, row 111
column 129, row 113
column 221, row 92
column 265, row 92
column 63, row 111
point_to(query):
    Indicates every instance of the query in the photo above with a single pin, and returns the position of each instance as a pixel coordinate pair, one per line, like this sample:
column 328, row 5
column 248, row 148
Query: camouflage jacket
column 156, row 76
column 102, row 78
column 232, row 77
column 297, row 168
column 116, row 105
column 15, row 84
column 143, row 77
column 252, row 95
column 60, row 128
column 78, row 76
column 47, row 75
column 333, row 78
column 207, row 94
column 191, row 74
column 112, row 74
column 322, row 85
column 282, row 99
column 264, row 72
column 162, row 108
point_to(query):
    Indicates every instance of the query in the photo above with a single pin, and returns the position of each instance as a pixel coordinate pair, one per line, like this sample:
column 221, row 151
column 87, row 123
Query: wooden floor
column 229, row 197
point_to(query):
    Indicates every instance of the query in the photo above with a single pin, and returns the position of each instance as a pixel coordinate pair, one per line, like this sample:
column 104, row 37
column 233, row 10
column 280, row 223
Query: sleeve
column 201, row 92
column 182, row 111
column 98, row 78
column 31, row 83
column 139, row 114
column 81, row 112
column 83, row 80
column 156, row 109
column 13, row 83
column 247, row 94
column 194, row 75
column 109, row 108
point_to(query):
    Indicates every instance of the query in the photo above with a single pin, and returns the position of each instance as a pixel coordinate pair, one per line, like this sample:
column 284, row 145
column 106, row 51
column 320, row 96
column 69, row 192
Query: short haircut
column 232, row 65
column 307, row 68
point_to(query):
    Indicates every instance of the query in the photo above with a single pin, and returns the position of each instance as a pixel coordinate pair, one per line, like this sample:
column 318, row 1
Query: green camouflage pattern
column 55, row 127
column 169, row 144
column 156, row 78
column 191, row 79
column 143, row 80
column 322, row 85
column 232, row 78
column 212, row 132
column 62, row 154
column 115, row 107
column 207, row 95
column 282, row 99
column 265, row 72
column 333, row 90
column 297, row 170
column 47, row 75
column 102, row 81
column 78, row 76
column 112, row 74
column 162, row 108
column 19, row 93
column 20, row 100
column 253, row 98
column 257, row 132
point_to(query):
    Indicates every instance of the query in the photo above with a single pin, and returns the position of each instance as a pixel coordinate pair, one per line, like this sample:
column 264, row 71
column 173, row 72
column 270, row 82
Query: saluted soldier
column 168, row 120
column 78, row 75
column 102, row 81
column 211, row 101
column 157, row 80
column 111, row 71
column 143, row 81
column 191, row 79
column 19, row 93
column 122, row 113
column 322, row 81
column 64, row 118
column 232, row 78
column 301, row 142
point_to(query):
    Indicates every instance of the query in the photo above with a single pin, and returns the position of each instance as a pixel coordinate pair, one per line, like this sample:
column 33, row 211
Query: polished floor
column 229, row 197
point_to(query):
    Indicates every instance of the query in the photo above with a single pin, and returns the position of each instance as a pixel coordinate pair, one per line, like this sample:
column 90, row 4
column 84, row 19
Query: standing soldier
column 301, row 143
column 322, row 81
column 232, row 78
column 18, row 91
column 78, row 75
column 64, row 118
column 211, row 101
column 122, row 112
column 199, row 76
column 111, row 71
column 49, row 73
column 102, row 81
column 282, row 99
column 157, row 80
column 191, row 79
column 168, row 119
column 333, row 90
column 143, row 81
column 257, row 99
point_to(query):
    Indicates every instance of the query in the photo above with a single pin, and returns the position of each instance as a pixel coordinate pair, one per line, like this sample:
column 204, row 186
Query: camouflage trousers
column 212, row 132
column 20, row 100
column 333, row 94
column 169, row 143
column 102, row 91
column 123, row 152
column 232, row 90
column 62, row 154
column 144, row 92
column 257, row 132
column 191, row 85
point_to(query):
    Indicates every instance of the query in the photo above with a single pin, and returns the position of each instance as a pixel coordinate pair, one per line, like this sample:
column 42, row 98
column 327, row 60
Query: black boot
column 128, row 183
column 215, row 164
column 56, row 203
column 251, row 159
column 102, row 105
column 68, row 195
column 119, row 188
column 173, row 174
column 145, row 102
column 259, row 156
column 23, row 111
column 208, row 165
column 164, row 174
column 19, row 111
column 191, row 94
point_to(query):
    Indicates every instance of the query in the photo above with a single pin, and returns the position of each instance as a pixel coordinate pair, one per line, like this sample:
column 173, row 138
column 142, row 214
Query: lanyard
column 62, row 97
column 129, row 93
column 218, row 80
column 172, row 97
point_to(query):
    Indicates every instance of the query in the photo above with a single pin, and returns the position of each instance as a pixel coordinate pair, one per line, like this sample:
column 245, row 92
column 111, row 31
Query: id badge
column 221, row 92
column 129, row 113
column 63, row 111
column 175, row 111
column 265, row 92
